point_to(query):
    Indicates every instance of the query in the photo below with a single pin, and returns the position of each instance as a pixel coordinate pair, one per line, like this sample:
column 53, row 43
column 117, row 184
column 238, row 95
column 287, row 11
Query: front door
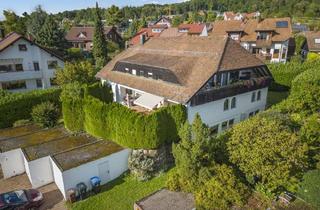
column 104, row 172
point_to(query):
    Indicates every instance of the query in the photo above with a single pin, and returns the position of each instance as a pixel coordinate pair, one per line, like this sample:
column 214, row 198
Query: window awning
column 148, row 101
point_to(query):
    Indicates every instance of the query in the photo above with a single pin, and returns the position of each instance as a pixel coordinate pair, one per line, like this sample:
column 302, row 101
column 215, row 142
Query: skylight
column 282, row 24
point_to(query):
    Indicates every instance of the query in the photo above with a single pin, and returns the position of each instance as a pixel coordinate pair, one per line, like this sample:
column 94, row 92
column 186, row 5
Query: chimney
column 2, row 33
column 142, row 39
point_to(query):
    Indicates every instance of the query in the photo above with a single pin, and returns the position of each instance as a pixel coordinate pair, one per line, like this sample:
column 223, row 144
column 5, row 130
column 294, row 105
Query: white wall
column 33, row 54
column 58, row 177
column 213, row 113
column 118, row 164
column 40, row 172
column 12, row 163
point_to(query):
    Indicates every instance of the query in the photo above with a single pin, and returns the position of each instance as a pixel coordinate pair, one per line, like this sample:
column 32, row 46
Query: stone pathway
column 53, row 199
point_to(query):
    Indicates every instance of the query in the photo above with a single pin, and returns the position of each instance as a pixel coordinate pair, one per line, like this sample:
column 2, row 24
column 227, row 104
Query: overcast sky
column 54, row 6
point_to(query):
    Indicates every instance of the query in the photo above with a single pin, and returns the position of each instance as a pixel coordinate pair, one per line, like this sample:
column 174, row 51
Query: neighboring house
column 193, row 29
column 269, row 39
column 163, row 21
column 312, row 43
column 166, row 200
column 240, row 16
column 298, row 27
column 82, row 37
column 213, row 76
column 145, row 34
column 25, row 65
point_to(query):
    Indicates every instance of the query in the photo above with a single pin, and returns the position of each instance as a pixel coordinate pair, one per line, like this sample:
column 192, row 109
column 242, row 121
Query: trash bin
column 95, row 183
column 72, row 195
column 82, row 190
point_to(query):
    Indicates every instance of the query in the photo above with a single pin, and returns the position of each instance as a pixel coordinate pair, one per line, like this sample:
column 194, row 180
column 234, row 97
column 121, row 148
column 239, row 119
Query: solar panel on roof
column 282, row 24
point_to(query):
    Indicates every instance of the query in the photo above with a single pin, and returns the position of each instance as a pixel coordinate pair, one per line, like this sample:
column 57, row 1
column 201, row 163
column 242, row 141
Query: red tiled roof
column 192, row 28
column 147, row 32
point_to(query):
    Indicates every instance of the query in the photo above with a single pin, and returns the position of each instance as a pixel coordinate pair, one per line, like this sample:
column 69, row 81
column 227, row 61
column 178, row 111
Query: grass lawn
column 276, row 97
column 121, row 193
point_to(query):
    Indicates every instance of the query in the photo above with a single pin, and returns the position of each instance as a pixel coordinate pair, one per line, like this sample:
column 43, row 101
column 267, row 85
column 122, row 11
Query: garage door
column 104, row 172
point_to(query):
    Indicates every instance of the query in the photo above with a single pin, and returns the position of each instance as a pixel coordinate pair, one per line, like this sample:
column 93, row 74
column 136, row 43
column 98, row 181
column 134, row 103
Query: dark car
column 21, row 200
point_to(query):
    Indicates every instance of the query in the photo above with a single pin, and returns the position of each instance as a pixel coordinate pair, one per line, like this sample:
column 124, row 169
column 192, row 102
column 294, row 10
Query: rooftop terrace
column 87, row 153
column 56, row 146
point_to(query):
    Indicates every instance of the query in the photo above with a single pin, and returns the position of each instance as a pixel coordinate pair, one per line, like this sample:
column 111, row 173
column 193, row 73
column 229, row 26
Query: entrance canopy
column 148, row 101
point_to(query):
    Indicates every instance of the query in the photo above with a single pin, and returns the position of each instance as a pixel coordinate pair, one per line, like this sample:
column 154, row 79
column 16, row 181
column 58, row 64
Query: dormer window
column 317, row 40
column 134, row 72
column 22, row 47
column 263, row 36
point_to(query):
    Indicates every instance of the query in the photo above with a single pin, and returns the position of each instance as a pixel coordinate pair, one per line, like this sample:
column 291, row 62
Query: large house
column 25, row 65
column 312, row 43
column 213, row 76
column 240, row 16
column 82, row 37
column 269, row 39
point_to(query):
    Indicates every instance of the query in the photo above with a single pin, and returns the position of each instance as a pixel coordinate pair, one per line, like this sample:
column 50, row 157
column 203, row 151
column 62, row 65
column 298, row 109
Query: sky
column 54, row 6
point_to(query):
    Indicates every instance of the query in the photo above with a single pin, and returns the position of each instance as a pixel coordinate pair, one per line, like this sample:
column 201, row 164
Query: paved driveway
column 53, row 199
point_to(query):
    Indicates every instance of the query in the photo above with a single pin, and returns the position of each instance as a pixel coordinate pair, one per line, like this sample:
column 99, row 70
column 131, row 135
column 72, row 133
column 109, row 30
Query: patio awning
column 148, row 101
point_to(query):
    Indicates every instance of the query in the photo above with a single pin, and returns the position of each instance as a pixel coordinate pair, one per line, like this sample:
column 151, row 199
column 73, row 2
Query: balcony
column 236, row 88
column 20, row 75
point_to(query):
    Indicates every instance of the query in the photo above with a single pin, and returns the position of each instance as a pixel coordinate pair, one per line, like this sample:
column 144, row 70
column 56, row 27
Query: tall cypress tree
column 100, row 51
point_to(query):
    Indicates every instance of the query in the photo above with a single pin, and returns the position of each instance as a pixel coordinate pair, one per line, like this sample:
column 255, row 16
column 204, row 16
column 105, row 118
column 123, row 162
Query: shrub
column 310, row 188
column 141, row 166
column 222, row 191
column 45, row 114
column 3, row 93
column 18, row 106
column 299, row 41
column 19, row 123
column 267, row 150
column 313, row 56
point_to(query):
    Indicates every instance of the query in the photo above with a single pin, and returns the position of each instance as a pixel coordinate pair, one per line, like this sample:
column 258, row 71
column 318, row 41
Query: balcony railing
column 263, row 43
column 239, row 87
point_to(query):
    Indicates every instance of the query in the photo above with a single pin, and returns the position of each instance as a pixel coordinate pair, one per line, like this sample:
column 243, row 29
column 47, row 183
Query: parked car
column 21, row 200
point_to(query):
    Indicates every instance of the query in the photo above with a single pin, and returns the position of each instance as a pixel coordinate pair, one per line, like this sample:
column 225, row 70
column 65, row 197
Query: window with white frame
column 317, row 40
column 226, row 105
column 233, row 103
column 253, row 97
column 259, row 95
column 134, row 72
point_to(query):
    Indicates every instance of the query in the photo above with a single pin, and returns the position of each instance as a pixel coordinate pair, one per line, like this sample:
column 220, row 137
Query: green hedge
column 18, row 106
column 284, row 73
column 98, row 116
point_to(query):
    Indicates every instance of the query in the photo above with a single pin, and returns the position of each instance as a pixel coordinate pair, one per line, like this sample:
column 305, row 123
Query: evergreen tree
column 100, row 51
column 51, row 36
column 113, row 15
column 13, row 23
column 35, row 21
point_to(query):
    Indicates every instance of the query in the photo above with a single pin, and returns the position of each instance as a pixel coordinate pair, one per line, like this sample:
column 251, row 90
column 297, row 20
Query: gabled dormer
column 82, row 35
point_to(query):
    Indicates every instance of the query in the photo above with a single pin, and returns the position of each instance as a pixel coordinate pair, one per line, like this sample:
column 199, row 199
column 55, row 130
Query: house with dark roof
column 312, row 43
column 25, row 65
column 82, row 37
column 269, row 39
column 213, row 76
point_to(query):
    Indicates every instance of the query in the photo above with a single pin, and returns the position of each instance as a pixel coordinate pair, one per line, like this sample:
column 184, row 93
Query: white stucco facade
column 278, row 51
column 39, row 171
column 213, row 113
column 35, row 72
column 107, row 168
column 12, row 163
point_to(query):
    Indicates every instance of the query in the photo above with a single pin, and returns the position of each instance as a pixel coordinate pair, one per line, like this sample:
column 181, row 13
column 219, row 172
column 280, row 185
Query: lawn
column 121, row 194
column 276, row 97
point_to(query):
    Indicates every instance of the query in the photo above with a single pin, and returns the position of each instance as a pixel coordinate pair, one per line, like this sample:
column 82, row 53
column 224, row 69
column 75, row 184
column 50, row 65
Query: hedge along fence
column 18, row 106
column 107, row 120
